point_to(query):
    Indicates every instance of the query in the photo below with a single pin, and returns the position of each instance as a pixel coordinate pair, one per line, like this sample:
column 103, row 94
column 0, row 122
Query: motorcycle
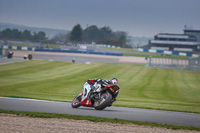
column 98, row 100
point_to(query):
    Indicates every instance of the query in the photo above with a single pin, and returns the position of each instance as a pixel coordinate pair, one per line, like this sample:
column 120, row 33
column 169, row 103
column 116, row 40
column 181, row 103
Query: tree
column 7, row 33
column 11, row 34
column 92, row 34
column 121, row 36
column 59, row 38
column 26, row 34
column 106, row 33
column 39, row 37
column 102, row 35
column 122, row 40
column 76, row 34
column 16, row 34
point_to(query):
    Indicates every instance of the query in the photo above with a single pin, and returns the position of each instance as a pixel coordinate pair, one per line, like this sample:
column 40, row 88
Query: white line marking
column 30, row 99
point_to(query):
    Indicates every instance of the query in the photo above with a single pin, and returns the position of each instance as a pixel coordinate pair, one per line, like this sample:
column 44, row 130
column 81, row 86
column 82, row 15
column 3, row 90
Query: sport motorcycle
column 98, row 100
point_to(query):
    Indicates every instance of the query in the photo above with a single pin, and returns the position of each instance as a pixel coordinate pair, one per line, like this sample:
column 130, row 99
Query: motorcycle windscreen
column 85, row 94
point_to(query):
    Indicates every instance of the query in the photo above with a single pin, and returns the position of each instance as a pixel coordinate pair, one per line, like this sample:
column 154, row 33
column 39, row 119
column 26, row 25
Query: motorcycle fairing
column 85, row 94
column 112, row 88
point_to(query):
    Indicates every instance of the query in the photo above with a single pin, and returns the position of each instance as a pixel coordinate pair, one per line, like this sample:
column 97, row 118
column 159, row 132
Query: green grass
column 146, row 54
column 51, row 46
column 141, row 87
column 23, row 44
column 32, row 45
column 96, row 119
column 122, row 49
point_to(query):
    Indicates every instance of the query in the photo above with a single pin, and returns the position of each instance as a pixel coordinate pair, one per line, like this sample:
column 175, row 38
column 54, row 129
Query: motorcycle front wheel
column 103, row 102
column 76, row 102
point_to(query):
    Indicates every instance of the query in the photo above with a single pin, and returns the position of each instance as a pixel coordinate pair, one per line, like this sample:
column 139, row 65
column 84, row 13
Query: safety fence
column 77, row 51
column 168, row 52
column 94, row 52
column 1, row 51
column 59, row 50
column 17, row 47
column 192, row 64
column 99, row 45
column 167, row 62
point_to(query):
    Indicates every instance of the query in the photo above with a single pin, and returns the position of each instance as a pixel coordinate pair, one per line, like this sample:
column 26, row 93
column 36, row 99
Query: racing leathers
column 98, row 84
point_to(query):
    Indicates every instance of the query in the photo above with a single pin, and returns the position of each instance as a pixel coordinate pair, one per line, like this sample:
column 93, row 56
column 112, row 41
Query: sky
column 136, row 17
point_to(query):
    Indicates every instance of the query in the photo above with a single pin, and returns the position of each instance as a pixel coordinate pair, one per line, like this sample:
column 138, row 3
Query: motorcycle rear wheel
column 76, row 102
column 103, row 102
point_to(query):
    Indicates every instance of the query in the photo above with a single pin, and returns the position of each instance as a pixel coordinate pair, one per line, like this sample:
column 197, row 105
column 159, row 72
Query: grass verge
column 146, row 54
column 96, row 119
column 140, row 87
column 33, row 45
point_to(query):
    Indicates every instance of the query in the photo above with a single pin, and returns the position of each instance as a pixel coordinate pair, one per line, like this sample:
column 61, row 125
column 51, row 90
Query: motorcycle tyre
column 105, row 103
column 76, row 105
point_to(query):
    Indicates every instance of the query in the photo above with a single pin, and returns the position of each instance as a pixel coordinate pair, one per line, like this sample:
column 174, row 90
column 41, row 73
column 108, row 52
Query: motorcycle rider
column 98, row 84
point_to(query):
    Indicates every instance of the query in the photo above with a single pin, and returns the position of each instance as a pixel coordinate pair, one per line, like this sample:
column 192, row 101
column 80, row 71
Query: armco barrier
column 1, row 51
column 100, row 53
column 17, row 47
column 168, row 52
column 58, row 50
column 99, row 45
column 77, row 51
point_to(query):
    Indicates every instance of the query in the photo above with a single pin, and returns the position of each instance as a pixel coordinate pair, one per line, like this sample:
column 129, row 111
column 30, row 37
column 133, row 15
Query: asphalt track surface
column 79, row 58
column 133, row 114
column 4, row 60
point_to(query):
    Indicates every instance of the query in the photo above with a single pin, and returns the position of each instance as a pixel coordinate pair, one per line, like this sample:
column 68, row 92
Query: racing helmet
column 114, row 80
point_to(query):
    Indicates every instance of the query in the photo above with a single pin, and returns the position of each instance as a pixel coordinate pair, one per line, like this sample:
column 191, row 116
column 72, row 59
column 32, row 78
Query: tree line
column 102, row 35
column 22, row 35
column 91, row 34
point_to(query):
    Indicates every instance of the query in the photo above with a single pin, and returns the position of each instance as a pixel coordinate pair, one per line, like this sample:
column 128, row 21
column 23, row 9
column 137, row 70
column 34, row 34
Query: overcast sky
column 137, row 17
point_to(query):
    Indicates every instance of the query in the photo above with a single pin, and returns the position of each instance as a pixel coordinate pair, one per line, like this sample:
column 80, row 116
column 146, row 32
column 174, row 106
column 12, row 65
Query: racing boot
column 111, row 102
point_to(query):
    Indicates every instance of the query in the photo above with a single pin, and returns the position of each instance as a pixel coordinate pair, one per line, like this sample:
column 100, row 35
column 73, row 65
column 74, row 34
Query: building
column 187, row 42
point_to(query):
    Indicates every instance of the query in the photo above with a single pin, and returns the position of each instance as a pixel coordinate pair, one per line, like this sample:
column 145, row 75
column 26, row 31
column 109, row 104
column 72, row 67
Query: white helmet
column 114, row 80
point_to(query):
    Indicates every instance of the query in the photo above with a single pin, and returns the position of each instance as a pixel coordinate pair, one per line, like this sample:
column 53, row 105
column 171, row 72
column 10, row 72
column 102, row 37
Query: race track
column 134, row 114
column 144, row 115
column 79, row 58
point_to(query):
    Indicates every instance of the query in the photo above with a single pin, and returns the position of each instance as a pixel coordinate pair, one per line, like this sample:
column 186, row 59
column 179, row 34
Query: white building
column 189, row 41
